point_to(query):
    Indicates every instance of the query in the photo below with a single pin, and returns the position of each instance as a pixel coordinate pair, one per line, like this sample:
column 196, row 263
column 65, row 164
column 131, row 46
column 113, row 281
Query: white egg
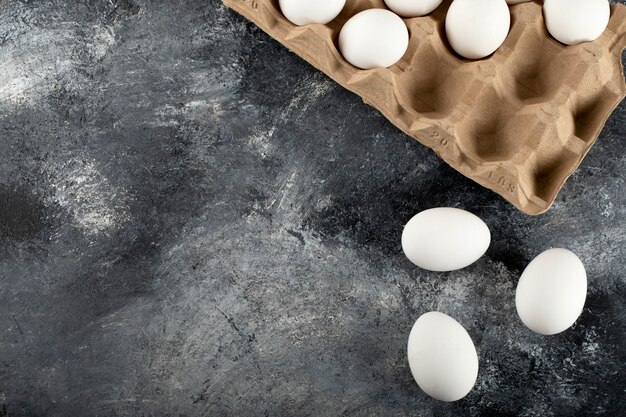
column 412, row 8
column 575, row 21
column 551, row 293
column 445, row 239
column 442, row 357
column 306, row 12
column 476, row 28
column 374, row 38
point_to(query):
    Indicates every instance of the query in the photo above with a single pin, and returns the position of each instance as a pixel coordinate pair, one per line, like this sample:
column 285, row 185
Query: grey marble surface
column 195, row 222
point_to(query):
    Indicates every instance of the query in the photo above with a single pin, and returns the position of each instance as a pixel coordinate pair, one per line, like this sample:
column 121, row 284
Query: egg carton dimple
column 518, row 122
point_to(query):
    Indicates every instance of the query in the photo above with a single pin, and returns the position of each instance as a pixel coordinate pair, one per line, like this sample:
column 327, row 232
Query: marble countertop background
column 195, row 222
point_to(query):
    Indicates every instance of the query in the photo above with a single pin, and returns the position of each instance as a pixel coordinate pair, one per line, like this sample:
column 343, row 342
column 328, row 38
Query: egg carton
column 518, row 122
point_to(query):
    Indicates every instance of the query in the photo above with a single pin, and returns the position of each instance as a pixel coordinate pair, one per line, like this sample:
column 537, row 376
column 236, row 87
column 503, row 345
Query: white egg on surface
column 551, row 292
column 476, row 28
column 374, row 38
column 442, row 357
column 412, row 8
column 575, row 21
column 445, row 239
column 306, row 12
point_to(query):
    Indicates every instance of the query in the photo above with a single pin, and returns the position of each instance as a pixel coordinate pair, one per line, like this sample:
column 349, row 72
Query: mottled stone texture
column 195, row 222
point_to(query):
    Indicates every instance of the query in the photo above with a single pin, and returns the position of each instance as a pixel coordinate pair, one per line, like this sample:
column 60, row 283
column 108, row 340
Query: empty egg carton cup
column 519, row 122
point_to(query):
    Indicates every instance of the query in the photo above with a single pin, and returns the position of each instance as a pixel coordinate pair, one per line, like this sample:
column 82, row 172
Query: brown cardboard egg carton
column 519, row 122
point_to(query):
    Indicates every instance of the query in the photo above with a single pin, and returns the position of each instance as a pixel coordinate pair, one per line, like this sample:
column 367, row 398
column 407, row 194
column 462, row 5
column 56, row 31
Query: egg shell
column 551, row 292
column 412, row 8
column 445, row 239
column 442, row 357
column 374, row 38
column 575, row 21
column 476, row 28
column 306, row 12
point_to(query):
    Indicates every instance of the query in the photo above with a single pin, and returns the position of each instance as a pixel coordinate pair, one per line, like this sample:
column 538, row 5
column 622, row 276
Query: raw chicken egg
column 374, row 38
column 306, row 12
column 442, row 357
column 575, row 21
column 476, row 28
column 412, row 8
column 551, row 292
column 445, row 239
